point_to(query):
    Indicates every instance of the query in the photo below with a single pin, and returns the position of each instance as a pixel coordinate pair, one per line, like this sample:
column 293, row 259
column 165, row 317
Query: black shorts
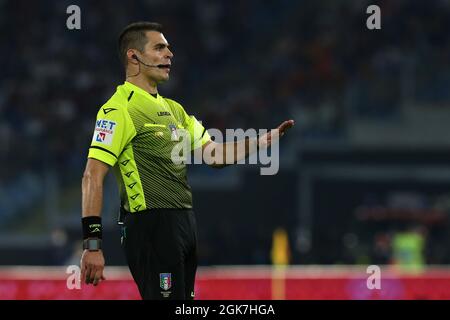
column 161, row 250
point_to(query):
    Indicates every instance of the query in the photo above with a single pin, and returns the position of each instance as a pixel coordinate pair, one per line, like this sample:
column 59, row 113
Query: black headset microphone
column 147, row 65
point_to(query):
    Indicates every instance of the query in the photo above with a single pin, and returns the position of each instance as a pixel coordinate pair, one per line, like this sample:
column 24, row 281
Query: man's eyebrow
column 161, row 44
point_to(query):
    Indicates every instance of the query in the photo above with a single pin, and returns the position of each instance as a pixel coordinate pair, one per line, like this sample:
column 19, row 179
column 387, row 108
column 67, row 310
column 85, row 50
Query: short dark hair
column 133, row 36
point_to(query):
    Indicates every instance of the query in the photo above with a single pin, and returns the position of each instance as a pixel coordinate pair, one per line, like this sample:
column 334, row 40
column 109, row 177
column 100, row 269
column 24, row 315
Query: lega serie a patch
column 104, row 131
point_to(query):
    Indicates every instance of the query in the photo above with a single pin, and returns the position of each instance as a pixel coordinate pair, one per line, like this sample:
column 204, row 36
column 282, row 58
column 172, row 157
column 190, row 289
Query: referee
column 135, row 132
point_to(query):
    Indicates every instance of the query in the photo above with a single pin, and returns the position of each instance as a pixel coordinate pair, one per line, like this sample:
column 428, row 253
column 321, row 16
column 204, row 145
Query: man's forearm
column 233, row 152
column 91, row 221
column 92, row 196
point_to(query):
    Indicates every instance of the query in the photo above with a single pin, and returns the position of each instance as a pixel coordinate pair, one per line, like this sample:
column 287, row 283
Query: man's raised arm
column 242, row 149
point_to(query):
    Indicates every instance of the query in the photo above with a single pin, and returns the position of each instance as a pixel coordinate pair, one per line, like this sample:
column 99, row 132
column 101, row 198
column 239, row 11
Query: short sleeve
column 114, row 129
column 198, row 133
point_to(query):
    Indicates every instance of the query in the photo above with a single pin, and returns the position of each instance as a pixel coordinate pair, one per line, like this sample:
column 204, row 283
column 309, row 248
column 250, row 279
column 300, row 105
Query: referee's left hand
column 92, row 265
column 267, row 139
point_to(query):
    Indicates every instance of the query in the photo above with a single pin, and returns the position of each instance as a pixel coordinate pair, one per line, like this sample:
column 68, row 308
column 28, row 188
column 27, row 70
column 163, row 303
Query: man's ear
column 132, row 57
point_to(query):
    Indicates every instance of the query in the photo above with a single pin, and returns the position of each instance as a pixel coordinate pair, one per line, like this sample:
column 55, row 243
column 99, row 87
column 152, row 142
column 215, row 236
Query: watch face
column 93, row 244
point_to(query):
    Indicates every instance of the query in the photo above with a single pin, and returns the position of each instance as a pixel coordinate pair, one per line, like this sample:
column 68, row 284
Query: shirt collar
column 135, row 88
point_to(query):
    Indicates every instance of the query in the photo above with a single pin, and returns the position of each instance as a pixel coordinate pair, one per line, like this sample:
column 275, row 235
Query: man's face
column 156, row 52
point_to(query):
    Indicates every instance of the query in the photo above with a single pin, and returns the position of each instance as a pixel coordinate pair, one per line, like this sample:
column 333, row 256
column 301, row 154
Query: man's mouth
column 164, row 66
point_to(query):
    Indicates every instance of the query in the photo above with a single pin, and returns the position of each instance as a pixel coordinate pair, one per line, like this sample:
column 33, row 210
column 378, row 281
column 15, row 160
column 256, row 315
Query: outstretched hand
column 266, row 140
column 282, row 128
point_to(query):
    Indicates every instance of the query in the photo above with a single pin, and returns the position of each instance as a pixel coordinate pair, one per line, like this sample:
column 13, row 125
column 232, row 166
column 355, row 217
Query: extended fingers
column 285, row 125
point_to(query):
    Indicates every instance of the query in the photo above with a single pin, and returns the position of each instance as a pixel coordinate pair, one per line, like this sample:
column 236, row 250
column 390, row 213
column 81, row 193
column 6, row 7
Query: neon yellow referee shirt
column 134, row 133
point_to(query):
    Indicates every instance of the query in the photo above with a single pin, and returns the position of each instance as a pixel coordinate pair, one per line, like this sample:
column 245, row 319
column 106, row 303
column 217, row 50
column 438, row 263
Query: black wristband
column 92, row 227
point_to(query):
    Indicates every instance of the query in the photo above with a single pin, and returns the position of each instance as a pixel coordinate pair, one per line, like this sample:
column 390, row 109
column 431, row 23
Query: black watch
column 92, row 244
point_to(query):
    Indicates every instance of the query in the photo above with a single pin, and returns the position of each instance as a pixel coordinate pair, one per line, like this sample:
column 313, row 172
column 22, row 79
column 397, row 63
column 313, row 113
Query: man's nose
column 169, row 54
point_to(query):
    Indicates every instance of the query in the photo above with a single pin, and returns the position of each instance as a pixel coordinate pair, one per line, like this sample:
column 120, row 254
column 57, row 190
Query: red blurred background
column 243, row 283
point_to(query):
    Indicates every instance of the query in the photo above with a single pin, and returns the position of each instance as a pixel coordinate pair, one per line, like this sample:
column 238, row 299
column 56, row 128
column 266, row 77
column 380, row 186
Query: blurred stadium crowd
column 237, row 64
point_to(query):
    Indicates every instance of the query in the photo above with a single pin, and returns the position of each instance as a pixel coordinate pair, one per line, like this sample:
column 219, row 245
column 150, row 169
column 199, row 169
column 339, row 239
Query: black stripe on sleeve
column 131, row 94
column 203, row 133
column 103, row 149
